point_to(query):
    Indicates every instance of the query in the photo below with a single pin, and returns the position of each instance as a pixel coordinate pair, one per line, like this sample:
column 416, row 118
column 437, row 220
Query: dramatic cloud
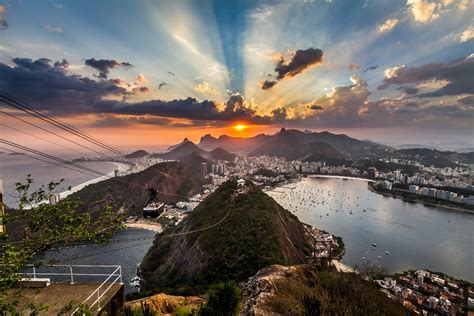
column 103, row 66
column 294, row 64
column 353, row 67
column 455, row 76
column 371, row 68
column 3, row 19
column 204, row 87
column 141, row 79
column 424, row 11
column 387, row 25
column 467, row 35
column 50, row 86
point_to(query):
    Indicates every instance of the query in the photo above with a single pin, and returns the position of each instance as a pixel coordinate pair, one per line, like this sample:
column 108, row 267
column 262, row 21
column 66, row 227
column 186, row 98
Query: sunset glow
column 240, row 127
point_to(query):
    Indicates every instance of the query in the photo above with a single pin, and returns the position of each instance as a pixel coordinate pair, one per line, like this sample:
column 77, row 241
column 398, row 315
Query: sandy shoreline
column 154, row 227
column 121, row 167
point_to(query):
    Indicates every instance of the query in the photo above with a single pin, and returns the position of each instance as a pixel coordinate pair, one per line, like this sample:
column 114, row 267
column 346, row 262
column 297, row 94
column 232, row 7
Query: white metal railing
column 93, row 300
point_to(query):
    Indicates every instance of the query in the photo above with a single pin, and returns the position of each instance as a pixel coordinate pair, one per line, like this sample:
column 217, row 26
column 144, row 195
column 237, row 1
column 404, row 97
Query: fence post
column 70, row 271
column 98, row 299
column 34, row 272
column 120, row 271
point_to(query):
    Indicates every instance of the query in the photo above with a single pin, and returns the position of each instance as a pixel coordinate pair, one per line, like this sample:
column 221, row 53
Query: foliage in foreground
column 327, row 292
column 223, row 300
column 44, row 227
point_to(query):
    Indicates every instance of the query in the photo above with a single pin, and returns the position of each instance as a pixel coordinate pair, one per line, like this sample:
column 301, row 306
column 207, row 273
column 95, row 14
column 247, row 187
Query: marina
column 384, row 231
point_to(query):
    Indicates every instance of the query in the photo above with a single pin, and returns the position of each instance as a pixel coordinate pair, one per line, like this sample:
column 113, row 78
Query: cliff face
column 232, row 234
column 300, row 290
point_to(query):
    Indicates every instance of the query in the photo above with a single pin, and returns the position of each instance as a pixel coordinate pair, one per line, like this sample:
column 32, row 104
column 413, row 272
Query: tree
column 223, row 300
column 45, row 226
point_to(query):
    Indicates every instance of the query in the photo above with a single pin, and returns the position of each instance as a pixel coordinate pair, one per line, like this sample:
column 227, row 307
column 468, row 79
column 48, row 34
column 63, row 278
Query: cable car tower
column 153, row 207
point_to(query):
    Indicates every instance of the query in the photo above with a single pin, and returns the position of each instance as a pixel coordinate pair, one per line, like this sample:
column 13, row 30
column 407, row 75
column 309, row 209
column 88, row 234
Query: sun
column 240, row 127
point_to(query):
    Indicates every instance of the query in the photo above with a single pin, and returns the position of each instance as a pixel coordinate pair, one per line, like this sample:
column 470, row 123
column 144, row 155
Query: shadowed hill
column 138, row 154
column 254, row 232
column 130, row 192
column 343, row 144
column 221, row 154
column 180, row 151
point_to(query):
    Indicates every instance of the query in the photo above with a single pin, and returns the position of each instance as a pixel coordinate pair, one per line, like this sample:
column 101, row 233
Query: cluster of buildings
column 423, row 185
column 427, row 293
column 441, row 194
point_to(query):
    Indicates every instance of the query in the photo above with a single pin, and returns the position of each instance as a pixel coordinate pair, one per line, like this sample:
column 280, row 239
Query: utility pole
column 3, row 227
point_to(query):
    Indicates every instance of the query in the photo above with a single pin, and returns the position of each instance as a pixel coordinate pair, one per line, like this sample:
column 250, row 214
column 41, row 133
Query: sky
column 149, row 73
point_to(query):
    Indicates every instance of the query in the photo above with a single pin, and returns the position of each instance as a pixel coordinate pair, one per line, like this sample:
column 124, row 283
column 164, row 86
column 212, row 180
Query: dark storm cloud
column 371, row 68
column 458, row 74
column 290, row 67
column 103, row 66
column 50, row 87
column 27, row 63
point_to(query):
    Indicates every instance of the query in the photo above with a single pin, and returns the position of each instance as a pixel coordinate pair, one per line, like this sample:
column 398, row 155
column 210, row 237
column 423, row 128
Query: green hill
column 253, row 232
column 171, row 179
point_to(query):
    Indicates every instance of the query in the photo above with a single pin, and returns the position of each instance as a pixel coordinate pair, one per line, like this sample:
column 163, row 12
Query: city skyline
column 395, row 72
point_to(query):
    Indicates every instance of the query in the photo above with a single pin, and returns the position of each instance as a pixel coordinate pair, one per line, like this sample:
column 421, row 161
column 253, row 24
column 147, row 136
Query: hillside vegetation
column 254, row 232
column 130, row 192
column 301, row 290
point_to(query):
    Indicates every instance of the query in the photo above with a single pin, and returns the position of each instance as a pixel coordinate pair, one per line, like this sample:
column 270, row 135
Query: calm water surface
column 127, row 248
column 416, row 236
column 16, row 168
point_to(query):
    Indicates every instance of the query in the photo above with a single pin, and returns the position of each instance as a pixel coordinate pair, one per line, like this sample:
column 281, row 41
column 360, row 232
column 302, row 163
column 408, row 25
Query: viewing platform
column 68, row 288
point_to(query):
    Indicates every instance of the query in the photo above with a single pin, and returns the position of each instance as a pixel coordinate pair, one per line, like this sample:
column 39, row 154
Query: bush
column 223, row 300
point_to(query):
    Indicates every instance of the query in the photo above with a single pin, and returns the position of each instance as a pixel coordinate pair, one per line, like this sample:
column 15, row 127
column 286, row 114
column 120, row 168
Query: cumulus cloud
column 467, row 35
column 455, row 76
column 3, row 19
column 103, row 66
column 294, row 64
column 50, row 85
column 204, row 87
column 387, row 25
column 140, row 79
column 424, row 11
